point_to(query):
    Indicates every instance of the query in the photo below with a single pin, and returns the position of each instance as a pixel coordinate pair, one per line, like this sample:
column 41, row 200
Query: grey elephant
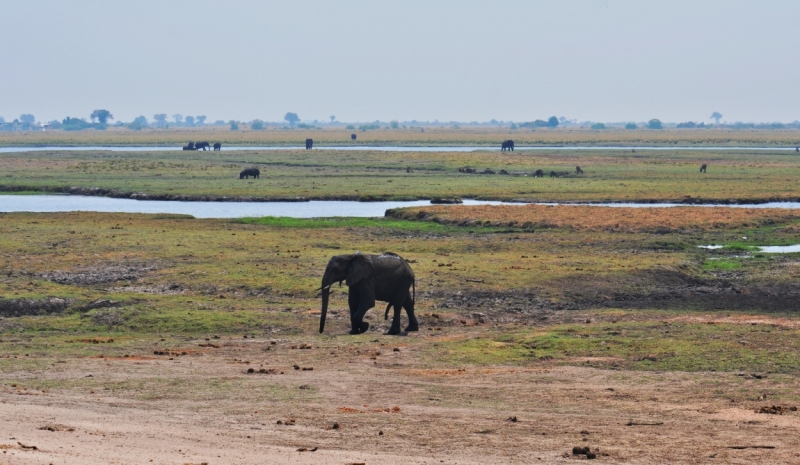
column 538, row 174
column 703, row 168
column 386, row 277
column 217, row 146
column 507, row 145
column 202, row 146
column 309, row 144
column 189, row 146
column 578, row 170
column 553, row 174
column 254, row 172
column 352, row 137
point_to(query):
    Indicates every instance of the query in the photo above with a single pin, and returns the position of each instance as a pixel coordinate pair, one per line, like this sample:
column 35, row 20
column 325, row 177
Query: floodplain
column 129, row 337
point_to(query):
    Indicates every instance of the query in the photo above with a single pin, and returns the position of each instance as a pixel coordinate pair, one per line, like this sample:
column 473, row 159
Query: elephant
column 703, row 168
column 797, row 149
column 578, row 170
column 352, row 136
column 487, row 171
column 409, row 170
column 507, row 145
column 466, row 170
column 503, row 172
column 553, row 174
column 202, row 145
column 189, row 146
column 309, row 144
column 386, row 277
column 254, row 172
column 538, row 174
column 217, row 146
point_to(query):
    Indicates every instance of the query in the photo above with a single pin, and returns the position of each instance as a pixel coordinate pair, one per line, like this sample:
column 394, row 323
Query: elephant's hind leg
column 413, row 324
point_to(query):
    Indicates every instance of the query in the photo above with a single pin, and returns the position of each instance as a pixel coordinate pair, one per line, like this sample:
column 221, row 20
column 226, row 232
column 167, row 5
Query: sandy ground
column 204, row 408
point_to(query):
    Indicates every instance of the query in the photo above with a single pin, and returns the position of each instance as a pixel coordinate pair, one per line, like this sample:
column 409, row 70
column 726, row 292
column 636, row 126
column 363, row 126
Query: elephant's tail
column 386, row 315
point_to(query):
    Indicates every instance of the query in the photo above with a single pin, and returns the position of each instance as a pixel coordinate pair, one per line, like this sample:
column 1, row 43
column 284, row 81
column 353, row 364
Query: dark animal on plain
column 217, row 146
column 578, row 170
column 202, row 145
column 538, row 174
column 409, row 170
column 352, row 137
column 189, row 146
column 466, row 170
column 309, row 144
column 254, row 172
column 386, row 277
column 633, row 150
column 797, row 149
column 553, row 174
column 507, row 145
column 503, row 172
column 703, row 168
column 487, row 171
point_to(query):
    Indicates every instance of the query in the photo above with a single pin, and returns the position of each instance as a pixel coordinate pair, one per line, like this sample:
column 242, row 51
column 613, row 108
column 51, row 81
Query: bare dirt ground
column 376, row 400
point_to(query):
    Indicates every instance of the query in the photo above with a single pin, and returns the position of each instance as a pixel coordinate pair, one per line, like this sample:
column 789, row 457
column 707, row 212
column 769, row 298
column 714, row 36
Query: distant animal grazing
column 254, row 172
column 538, row 174
column 202, row 145
column 409, row 170
column 487, row 171
column 217, row 146
column 507, row 145
column 189, row 146
column 309, row 144
column 503, row 172
column 578, row 170
column 553, row 174
column 797, row 149
column 352, row 137
column 703, row 168
column 466, row 170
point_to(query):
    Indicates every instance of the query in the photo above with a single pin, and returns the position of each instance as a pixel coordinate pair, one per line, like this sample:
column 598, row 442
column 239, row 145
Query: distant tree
column 333, row 118
column 27, row 118
column 350, row 126
column 161, row 118
column 178, row 118
column 688, row 124
column 219, row 122
column 292, row 118
column 189, row 120
column 394, row 124
column 201, row 120
column 631, row 126
column 101, row 115
column 256, row 124
column 138, row 123
column 234, row 125
column 513, row 125
column 552, row 122
column 493, row 121
column 598, row 126
column 562, row 119
column 654, row 124
column 716, row 116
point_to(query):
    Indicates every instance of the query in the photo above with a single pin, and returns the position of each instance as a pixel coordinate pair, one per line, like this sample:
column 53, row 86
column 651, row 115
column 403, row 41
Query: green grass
column 722, row 265
column 648, row 345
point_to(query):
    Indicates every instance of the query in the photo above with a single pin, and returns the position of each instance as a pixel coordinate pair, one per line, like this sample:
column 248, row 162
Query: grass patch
column 722, row 265
column 345, row 222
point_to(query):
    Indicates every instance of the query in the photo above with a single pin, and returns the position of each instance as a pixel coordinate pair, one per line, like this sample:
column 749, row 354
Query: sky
column 595, row 60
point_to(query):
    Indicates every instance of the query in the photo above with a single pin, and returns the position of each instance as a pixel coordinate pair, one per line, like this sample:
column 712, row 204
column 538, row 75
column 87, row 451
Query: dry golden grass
column 430, row 136
column 586, row 218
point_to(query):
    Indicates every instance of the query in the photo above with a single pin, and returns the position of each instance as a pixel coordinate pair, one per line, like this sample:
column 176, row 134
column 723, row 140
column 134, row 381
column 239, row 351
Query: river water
column 312, row 209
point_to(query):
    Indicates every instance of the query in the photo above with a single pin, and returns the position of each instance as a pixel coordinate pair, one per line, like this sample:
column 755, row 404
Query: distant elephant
column 202, row 145
column 797, row 149
column 578, row 170
column 507, row 145
column 217, row 146
column 538, row 174
column 553, row 174
column 386, row 277
column 309, row 144
column 189, row 146
column 409, row 170
column 487, row 171
column 703, row 168
column 352, row 136
column 254, row 172
column 503, row 172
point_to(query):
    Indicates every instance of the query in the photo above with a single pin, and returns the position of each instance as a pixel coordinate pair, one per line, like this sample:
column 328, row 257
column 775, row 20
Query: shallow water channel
column 310, row 209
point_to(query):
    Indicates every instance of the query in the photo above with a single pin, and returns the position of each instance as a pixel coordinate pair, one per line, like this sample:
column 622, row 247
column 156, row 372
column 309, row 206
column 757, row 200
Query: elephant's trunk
column 325, row 294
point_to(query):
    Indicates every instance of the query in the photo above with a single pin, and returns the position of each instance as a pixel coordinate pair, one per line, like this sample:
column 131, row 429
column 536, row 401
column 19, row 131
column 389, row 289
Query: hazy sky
column 601, row 60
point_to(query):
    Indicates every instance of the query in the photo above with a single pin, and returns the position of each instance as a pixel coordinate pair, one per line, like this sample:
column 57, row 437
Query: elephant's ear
column 360, row 268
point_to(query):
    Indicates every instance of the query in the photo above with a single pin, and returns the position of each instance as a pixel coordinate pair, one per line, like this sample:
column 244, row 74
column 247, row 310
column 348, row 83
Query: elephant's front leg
column 358, row 308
